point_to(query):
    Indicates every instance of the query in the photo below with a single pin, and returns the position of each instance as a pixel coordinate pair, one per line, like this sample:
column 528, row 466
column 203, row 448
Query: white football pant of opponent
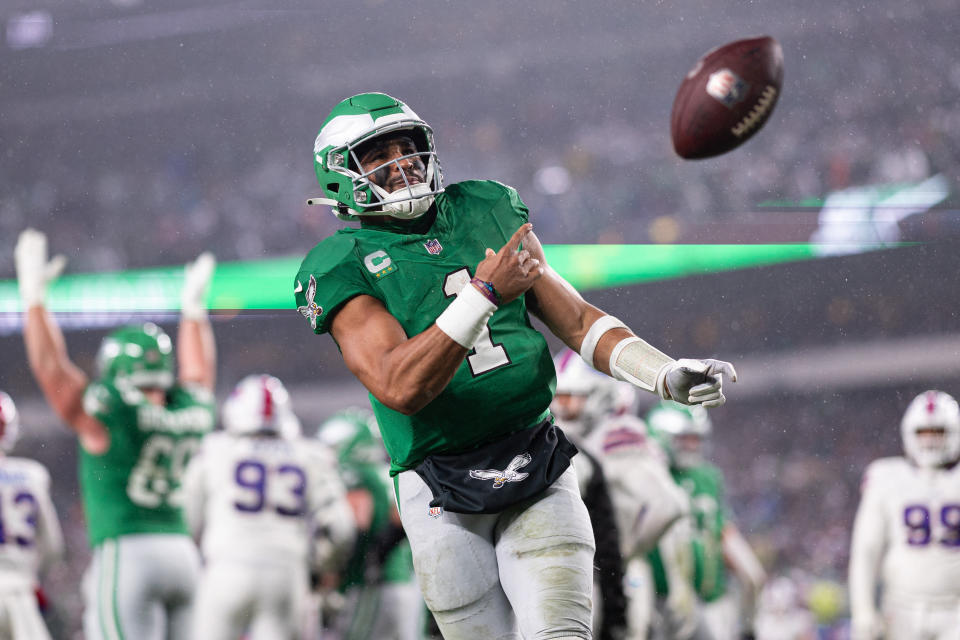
column 30, row 536
column 906, row 536
column 255, row 492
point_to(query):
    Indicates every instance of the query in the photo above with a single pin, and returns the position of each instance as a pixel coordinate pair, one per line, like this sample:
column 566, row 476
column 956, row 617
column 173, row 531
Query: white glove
column 196, row 281
column 867, row 627
column 34, row 272
column 695, row 381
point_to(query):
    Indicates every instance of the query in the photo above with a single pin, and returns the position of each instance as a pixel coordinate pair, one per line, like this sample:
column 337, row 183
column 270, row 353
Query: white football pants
column 140, row 587
column 526, row 570
column 267, row 599
column 922, row 621
column 20, row 617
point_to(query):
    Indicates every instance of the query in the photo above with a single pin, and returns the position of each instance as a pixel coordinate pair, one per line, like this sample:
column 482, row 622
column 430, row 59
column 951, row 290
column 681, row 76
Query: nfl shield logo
column 435, row 512
column 725, row 86
column 433, row 246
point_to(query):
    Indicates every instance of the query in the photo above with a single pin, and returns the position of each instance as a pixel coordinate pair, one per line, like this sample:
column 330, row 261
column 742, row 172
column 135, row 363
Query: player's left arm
column 196, row 346
column 609, row 346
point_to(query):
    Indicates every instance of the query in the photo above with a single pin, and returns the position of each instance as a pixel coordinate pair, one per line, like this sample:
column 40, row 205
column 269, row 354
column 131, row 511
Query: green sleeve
column 329, row 276
column 106, row 403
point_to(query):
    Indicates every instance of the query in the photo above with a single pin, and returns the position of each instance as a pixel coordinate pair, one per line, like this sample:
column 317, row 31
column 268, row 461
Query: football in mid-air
column 727, row 97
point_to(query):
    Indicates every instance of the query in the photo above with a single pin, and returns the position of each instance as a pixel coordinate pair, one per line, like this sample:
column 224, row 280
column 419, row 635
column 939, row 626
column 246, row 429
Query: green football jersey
column 398, row 564
column 135, row 486
column 506, row 381
column 704, row 485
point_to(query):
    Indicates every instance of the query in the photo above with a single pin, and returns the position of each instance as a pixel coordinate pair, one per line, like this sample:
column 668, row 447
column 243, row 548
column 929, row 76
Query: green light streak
column 268, row 284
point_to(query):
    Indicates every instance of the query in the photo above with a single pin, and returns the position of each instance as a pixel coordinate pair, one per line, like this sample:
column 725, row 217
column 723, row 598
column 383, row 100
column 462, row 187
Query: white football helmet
column 9, row 422
column 599, row 395
column 933, row 411
column 260, row 404
column 685, row 431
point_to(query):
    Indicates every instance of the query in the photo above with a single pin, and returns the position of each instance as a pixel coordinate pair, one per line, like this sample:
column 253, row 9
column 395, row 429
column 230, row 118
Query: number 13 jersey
column 912, row 516
column 416, row 269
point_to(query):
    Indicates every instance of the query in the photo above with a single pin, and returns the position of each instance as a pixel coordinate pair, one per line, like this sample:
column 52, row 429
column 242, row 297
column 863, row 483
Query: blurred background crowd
column 137, row 133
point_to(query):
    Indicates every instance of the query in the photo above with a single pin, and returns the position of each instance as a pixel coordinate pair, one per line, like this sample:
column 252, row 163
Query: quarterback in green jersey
column 717, row 544
column 137, row 426
column 429, row 302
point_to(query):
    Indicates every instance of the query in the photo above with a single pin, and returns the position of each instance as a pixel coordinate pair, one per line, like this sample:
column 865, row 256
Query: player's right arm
column 406, row 373
column 866, row 554
column 62, row 382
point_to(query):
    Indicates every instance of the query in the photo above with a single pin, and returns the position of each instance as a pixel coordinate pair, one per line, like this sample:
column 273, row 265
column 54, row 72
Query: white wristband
column 596, row 330
column 465, row 319
column 640, row 364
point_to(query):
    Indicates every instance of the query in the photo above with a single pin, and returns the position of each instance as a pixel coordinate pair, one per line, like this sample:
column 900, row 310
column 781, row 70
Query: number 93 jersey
column 255, row 497
column 506, row 381
column 135, row 486
column 913, row 514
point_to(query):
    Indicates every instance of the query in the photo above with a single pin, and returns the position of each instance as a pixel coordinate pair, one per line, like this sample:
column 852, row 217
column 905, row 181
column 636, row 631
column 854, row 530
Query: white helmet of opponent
column 260, row 404
column 599, row 394
column 931, row 429
column 9, row 422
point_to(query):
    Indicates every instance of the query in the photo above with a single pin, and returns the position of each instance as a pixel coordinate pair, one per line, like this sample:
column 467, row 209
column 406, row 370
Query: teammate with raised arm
column 30, row 535
column 137, row 427
column 428, row 301
column 906, row 535
column 254, row 493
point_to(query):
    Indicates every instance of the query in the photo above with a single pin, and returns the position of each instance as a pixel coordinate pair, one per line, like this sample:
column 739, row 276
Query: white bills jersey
column 30, row 535
column 257, row 498
column 907, row 537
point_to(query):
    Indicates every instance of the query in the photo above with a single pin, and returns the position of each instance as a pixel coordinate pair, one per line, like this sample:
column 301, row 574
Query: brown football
column 727, row 97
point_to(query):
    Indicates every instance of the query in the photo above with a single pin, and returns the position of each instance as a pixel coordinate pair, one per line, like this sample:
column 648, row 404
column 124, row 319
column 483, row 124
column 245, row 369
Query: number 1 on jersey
column 485, row 356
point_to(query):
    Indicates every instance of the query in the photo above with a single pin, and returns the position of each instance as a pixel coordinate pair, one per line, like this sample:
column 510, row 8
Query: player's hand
column 696, row 381
column 511, row 269
column 34, row 272
column 196, row 281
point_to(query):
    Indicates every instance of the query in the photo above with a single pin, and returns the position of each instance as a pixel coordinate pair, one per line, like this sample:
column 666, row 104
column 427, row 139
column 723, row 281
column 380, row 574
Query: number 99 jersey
column 255, row 497
column 910, row 517
column 505, row 383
